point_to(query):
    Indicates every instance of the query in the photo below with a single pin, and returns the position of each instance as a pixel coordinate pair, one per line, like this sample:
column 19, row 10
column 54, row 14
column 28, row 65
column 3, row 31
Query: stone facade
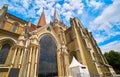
column 20, row 47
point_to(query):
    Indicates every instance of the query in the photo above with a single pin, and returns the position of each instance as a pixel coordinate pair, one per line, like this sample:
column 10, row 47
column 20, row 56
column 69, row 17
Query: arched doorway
column 48, row 57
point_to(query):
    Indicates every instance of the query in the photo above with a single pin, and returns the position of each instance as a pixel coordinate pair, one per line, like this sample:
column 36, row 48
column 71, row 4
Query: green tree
column 113, row 59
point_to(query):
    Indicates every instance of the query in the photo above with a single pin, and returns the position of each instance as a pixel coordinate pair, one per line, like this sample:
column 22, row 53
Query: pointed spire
column 56, row 16
column 30, row 22
column 42, row 20
column 26, row 29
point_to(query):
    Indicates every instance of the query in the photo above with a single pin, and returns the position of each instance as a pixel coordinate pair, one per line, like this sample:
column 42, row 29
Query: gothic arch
column 56, row 39
column 6, row 45
column 44, row 30
column 11, row 41
column 52, row 36
column 48, row 30
column 48, row 66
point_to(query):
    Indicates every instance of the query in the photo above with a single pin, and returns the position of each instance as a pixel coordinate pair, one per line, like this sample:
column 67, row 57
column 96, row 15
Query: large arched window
column 48, row 58
column 4, row 53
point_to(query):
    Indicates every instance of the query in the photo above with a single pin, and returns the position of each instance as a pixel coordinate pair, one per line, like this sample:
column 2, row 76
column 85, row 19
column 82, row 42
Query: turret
column 56, row 17
column 30, row 22
column 27, row 27
column 42, row 20
column 2, row 14
column 4, row 9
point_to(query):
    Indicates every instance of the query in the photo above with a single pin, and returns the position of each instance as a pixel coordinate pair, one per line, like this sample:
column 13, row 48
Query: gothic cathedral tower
column 47, row 50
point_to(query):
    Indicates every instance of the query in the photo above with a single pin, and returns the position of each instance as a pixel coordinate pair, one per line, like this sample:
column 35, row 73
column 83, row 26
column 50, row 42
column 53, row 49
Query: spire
column 26, row 29
column 56, row 16
column 30, row 22
column 42, row 20
column 3, row 10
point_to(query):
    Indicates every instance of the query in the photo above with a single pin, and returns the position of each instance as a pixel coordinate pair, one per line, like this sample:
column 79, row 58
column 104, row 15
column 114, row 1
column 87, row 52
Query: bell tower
column 57, row 24
column 59, row 28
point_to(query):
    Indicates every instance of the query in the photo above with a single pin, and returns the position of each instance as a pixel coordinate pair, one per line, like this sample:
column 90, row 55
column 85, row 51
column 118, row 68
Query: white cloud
column 115, row 45
column 110, row 14
column 26, row 3
column 68, row 15
column 66, row 9
column 20, row 7
column 100, row 38
column 2, row 3
column 58, row 5
column 69, row 7
column 94, row 4
column 27, row 8
column 108, row 22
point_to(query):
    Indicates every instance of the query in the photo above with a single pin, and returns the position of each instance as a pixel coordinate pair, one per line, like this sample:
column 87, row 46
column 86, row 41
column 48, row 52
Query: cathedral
column 48, row 50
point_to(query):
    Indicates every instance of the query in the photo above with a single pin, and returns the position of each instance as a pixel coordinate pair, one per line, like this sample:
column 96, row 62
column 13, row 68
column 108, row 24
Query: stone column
column 23, row 63
column 59, row 63
column 21, row 57
column 33, row 62
column 66, row 61
column 29, row 62
column 13, row 59
column 17, row 59
column 63, row 62
column 67, row 64
column 36, row 63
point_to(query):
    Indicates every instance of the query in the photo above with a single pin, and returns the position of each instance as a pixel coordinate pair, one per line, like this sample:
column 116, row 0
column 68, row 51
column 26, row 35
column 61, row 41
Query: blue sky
column 101, row 17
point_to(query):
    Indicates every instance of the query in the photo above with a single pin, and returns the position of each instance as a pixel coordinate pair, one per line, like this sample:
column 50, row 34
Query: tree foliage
column 113, row 59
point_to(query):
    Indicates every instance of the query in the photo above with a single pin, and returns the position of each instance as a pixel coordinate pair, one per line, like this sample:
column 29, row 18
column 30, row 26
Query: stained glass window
column 48, row 58
column 4, row 53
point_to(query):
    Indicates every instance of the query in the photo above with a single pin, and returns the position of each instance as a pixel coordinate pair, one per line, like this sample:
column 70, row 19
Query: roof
column 42, row 20
column 32, row 28
column 16, row 18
